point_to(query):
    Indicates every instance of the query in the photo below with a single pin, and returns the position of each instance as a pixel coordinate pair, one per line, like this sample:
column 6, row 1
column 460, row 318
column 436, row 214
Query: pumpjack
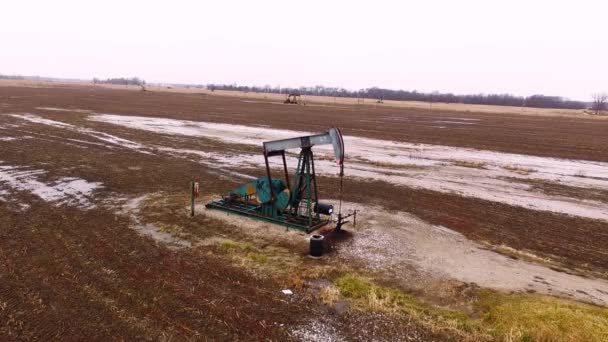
column 293, row 99
column 294, row 205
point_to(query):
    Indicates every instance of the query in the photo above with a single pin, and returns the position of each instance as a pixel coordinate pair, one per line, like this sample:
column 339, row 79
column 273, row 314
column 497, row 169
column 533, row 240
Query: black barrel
column 324, row 208
column 316, row 246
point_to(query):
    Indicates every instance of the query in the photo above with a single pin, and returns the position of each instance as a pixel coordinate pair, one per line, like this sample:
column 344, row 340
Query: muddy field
column 96, row 241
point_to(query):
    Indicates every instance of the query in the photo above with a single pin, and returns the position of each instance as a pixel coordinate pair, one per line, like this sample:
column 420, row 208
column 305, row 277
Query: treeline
column 121, row 81
column 538, row 101
column 11, row 77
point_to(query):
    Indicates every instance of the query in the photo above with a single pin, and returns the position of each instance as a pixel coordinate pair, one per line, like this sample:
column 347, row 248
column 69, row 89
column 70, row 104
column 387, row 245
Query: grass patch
column 295, row 281
column 329, row 295
column 259, row 258
column 470, row 164
column 519, row 169
column 395, row 166
column 518, row 254
column 377, row 298
column 279, row 262
column 523, row 317
column 353, row 286
column 502, row 317
column 229, row 247
column 173, row 229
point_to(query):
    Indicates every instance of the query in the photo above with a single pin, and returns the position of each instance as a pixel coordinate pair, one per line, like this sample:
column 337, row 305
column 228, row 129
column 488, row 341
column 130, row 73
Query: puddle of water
column 41, row 120
column 65, row 191
column 218, row 161
column 55, row 109
column 386, row 161
column 397, row 162
column 397, row 153
column 133, row 207
column 105, row 137
column 114, row 140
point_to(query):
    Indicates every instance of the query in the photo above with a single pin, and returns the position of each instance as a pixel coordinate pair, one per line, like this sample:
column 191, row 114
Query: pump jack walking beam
column 333, row 136
column 305, row 143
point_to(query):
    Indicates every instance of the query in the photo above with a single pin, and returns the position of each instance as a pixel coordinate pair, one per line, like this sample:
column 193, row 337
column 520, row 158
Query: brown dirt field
column 325, row 100
column 73, row 277
column 562, row 137
column 576, row 243
column 65, row 273
column 559, row 189
column 477, row 219
column 86, row 274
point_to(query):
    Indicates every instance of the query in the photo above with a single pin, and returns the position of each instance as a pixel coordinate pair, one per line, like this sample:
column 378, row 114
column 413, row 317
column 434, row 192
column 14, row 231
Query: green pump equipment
column 278, row 201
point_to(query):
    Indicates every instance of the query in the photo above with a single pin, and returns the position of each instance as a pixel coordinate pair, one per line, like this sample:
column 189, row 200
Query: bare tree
column 599, row 103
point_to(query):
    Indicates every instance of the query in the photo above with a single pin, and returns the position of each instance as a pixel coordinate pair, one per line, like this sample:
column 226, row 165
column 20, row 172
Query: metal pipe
column 286, row 174
column 272, row 194
column 308, row 187
column 314, row 180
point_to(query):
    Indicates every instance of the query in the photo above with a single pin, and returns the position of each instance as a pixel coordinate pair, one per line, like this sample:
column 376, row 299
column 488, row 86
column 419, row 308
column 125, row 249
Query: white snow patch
column 413, row 165
column 41, row 120
column 219, row 161
column 64, row 109
column 65, row 191
column 112, row 139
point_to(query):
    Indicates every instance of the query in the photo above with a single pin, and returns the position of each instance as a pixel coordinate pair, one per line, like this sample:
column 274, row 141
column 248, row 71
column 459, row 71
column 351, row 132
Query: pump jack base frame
column 254, row 211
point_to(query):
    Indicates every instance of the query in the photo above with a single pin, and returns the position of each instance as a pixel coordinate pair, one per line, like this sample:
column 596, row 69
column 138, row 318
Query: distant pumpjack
column 293, row 99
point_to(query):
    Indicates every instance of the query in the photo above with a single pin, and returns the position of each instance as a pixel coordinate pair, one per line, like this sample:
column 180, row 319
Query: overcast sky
column 467, row 46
